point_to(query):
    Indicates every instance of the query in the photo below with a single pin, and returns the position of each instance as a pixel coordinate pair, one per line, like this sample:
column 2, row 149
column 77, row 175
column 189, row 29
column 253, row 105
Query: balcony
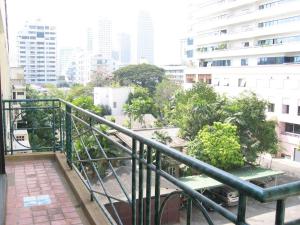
column 80, row 173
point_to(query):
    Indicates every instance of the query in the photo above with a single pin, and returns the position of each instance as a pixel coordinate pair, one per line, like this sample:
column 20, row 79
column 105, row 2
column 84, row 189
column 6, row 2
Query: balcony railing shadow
column 139, row 194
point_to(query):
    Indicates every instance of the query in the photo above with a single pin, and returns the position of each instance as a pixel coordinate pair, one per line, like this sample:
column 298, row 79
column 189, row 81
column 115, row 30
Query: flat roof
column 199, row 182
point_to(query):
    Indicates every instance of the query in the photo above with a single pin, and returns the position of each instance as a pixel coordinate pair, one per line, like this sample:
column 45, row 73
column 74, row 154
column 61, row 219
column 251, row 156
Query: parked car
column 228, row 196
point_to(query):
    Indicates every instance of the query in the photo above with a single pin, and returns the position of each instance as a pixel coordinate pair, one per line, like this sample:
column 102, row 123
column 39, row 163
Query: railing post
column 157, row 186
column 69, row 135
column 133, row 184
column 242, row 208
column 141, row 185
column 189, row 211
column 2, row 137
column 60, row 128
column 280, row 212
column 148, row 186
column 11, row 125
column 53, row 125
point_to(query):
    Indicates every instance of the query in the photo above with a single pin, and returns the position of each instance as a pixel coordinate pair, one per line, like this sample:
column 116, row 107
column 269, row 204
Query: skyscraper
column 36, row 44
column 103, row 41
column 145, row 49
column 124, row 48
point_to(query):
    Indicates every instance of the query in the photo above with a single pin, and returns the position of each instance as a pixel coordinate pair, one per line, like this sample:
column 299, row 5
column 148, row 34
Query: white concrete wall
column 115, row 98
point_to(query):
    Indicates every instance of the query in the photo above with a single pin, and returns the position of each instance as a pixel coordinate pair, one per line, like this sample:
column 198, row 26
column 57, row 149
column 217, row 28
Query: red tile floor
column 35, row 178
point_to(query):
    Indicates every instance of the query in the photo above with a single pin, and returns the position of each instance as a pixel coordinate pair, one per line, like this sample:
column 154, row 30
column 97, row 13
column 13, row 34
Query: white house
column 115, row 98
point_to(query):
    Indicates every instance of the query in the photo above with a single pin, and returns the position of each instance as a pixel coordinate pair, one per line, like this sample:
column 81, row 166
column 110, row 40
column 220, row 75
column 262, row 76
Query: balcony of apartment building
column 250, row 13
column 260, row 47
column 255, row 30
column 75, row 171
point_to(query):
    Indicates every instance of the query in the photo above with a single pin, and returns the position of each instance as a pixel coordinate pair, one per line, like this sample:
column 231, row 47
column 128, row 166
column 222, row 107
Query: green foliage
column 77, row 91
column 218, row 145
column 193, row 109
column 139, row 103
column 144, row 75
column 87, row 103
column 164, row 93
column 162, row 137
column 257, row 135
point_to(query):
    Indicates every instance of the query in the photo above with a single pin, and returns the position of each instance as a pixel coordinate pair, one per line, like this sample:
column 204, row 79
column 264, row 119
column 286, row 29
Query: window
column 242, row 82
column 246, row 44
column 244, row 62
column 20, row 138
column 285, row 109
column 115, row 104
column 189, row 53
column 221, row 63
column 292, row 128
column 271, row 107
column 190, row 41
column 223, row 31
column 40, row 34
column 298, row 110
column 20, row 93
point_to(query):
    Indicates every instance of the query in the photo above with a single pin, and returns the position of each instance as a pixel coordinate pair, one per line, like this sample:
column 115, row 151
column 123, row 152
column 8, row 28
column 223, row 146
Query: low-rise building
column 115, row 98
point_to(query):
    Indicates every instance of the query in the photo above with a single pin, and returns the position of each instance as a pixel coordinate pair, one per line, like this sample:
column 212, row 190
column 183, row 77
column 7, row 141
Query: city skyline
column 168, row 25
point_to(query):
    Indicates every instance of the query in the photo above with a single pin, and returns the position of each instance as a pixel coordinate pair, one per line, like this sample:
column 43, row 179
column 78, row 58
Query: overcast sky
column 71, row 17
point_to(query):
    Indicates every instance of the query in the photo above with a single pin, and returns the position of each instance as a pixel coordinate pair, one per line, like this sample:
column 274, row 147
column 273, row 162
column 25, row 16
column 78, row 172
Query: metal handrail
column 258, row 193
column 142, row 157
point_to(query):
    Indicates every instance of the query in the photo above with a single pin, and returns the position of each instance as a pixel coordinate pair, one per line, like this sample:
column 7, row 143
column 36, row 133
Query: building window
column 246, row 44
column 190, row 41
column 20, row 138
column 285, row 109
column 115, row 104
column 271, row 107
column 20, row 93
column 189, row 53
column 244, row 62
column 298, row 110
column 40, row 34
column 221, row 63
column 292, row 128
column 242, row 82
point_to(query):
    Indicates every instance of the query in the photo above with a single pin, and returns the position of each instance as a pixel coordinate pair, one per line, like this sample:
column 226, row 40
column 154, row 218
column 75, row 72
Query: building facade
column 250, row 45
column 175, row 73
column 115, row 98
column 124, row 48
column 145, row 40
column 36, row 44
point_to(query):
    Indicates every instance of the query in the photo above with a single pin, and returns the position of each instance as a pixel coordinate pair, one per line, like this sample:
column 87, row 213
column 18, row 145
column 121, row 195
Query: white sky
column 71, row 17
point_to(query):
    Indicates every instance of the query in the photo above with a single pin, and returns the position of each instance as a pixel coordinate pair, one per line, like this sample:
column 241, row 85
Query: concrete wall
column 115, row 98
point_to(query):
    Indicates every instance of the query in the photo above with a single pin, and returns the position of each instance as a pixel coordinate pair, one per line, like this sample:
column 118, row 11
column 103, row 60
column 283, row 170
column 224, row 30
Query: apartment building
column 250, row 45
column 175, row 73
column 36, row 44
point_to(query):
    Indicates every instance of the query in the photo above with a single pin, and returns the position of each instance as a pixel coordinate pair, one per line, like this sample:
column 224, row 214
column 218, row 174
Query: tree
column 218, row 145
column 162, row 137
column 138, row 108
column 145, row 75
column 100, row 78
column 79, row 90
column 192, row 110
column 257, row 135
column 164, row 93
column 87, row 103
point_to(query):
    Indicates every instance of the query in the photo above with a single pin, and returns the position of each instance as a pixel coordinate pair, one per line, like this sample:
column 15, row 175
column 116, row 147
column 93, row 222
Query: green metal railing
column 91, row 150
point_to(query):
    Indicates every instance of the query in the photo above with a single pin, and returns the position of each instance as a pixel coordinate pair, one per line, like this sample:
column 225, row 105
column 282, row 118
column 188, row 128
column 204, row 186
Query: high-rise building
column 36, row 44
column 250, row 45
column 103, row 41
column 74, row 65
column 145, row 48
column 124, row 48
